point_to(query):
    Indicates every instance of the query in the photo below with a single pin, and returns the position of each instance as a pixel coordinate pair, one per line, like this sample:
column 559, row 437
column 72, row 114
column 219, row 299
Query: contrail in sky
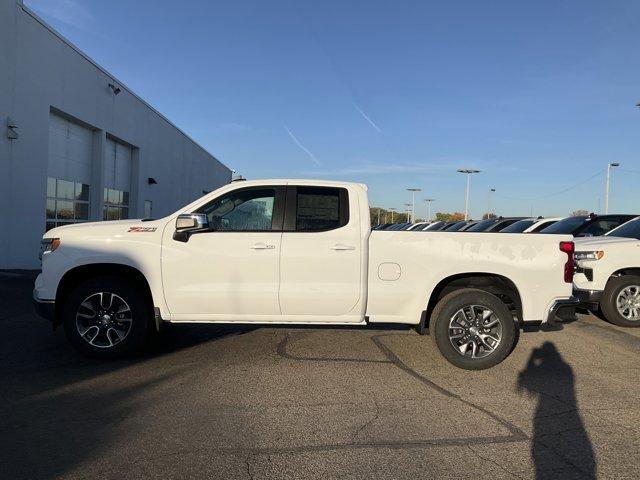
column 366, row 117
column 302, row 147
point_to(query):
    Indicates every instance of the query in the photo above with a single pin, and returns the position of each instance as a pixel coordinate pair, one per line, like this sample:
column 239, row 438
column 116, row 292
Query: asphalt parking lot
column 243, row 402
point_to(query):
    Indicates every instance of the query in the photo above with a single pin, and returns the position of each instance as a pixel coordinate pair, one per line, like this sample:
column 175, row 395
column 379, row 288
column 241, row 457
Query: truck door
column 321, row 257
column 233, row 268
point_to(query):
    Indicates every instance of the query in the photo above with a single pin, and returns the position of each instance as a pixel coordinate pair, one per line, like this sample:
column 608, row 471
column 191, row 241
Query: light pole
column 413, row 202
column 489, row 201
column 606, row 190
column 408, row 211
column 468, row 171
column 429, row 200
column 391, row 209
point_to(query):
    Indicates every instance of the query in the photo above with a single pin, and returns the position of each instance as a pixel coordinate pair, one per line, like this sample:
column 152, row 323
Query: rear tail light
column 568, row 248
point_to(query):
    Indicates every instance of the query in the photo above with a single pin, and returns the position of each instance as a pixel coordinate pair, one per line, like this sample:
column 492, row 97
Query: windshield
column 631, row 229
column 480, row 226
column 568, row 225
column 456, row 226
column 434, row 226
column 518, row 227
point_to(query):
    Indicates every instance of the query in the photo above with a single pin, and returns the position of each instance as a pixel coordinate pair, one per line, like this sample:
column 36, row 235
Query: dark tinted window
column 518, row 227
column 500, row 225
column 566, row 226
column 249, row 210
column 320, row 208
column 468, row 226
column 544, row 225
column 601, row 226
column 481, row 226
column 628, row 230
column 456, row 226
column 434, row 226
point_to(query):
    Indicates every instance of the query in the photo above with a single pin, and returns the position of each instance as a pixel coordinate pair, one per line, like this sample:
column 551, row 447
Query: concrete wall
column 40, row 71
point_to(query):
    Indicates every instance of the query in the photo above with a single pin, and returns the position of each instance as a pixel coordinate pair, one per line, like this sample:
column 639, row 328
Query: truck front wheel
column 620, row 303
column 473, row 329
column 105, row 317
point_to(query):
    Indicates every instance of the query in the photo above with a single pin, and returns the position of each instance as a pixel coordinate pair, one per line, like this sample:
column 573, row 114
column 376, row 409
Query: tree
column 449, row 217
column 578, row 213
column 488, row 215
column 376, row 213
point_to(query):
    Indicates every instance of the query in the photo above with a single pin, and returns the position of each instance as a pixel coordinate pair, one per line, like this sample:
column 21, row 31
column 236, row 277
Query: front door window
column 242, row 211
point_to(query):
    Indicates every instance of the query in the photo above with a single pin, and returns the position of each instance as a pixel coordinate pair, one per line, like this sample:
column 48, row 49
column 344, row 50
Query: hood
column 589, row 243
column 109, row 224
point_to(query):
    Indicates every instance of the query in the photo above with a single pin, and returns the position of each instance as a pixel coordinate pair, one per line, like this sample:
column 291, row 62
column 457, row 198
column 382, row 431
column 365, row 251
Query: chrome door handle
column 340, row 246
column 262, row 246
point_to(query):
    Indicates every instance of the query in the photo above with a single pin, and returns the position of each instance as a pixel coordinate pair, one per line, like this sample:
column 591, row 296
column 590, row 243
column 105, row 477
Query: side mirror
column 191, row 221
column 188, row 223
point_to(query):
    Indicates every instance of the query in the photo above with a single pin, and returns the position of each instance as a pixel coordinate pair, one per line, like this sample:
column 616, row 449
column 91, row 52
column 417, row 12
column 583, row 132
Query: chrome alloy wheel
column 475, row 331
column 103, row 319
column 628, row 302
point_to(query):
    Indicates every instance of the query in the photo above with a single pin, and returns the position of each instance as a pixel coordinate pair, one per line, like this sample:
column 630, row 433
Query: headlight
column 48, row 245
column 595, row 255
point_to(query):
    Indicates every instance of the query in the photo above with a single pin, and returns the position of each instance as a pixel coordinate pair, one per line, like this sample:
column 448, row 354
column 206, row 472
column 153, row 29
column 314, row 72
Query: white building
column 77, row 145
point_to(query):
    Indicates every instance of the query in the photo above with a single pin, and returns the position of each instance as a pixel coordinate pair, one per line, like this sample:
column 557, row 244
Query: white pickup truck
column 298, row 252
column 607, row 278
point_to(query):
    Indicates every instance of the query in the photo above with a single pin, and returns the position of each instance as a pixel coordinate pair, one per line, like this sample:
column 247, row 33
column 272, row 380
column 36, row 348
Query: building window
column 116, row 173
column 116, row 204
column 148, row 209
column 67, row 202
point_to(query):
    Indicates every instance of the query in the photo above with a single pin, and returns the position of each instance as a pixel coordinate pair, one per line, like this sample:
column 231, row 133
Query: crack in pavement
column 248, row 465
column 515, row 433
column 513, row 429
column 282, row 352
column 368, row 422
column 493, row 463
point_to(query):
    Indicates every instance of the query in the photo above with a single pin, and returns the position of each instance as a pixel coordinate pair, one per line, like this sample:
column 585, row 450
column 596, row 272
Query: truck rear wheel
column 106, row 317
column 620, row 302
column 473, row 329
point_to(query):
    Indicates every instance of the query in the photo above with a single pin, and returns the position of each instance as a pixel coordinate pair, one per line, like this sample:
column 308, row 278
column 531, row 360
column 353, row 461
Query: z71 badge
column 141, row 229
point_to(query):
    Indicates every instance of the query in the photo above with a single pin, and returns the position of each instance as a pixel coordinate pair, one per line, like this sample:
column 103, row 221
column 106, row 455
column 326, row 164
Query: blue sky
column 540, row 96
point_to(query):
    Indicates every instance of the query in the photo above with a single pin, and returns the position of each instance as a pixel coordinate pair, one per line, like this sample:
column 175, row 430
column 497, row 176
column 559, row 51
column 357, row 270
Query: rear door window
column 316, row 209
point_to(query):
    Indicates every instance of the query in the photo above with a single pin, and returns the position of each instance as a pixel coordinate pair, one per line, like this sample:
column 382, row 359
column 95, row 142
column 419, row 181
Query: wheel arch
column 624, row 271
column 76, row 275
column 496, row 284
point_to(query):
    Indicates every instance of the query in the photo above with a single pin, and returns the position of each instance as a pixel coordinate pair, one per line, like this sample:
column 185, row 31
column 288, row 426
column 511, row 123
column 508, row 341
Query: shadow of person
column 560, row 446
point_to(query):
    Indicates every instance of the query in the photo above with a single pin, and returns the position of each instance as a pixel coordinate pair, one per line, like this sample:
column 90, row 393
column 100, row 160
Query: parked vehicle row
column 579, row 226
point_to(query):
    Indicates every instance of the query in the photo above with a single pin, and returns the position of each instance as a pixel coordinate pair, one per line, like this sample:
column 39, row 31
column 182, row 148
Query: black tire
column 138, row 312
column 609, row 299
column 450, row 305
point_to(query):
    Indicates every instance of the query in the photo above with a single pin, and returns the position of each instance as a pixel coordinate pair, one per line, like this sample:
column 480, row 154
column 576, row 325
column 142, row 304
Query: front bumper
column 588, row 298
column 44, row 308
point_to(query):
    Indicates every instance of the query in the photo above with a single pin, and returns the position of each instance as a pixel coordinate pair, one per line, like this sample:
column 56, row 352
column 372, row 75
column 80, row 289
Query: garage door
column 68, row 172
column 117, row 180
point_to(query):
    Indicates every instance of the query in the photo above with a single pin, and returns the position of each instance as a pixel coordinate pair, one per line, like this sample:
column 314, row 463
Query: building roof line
column 65, row 40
